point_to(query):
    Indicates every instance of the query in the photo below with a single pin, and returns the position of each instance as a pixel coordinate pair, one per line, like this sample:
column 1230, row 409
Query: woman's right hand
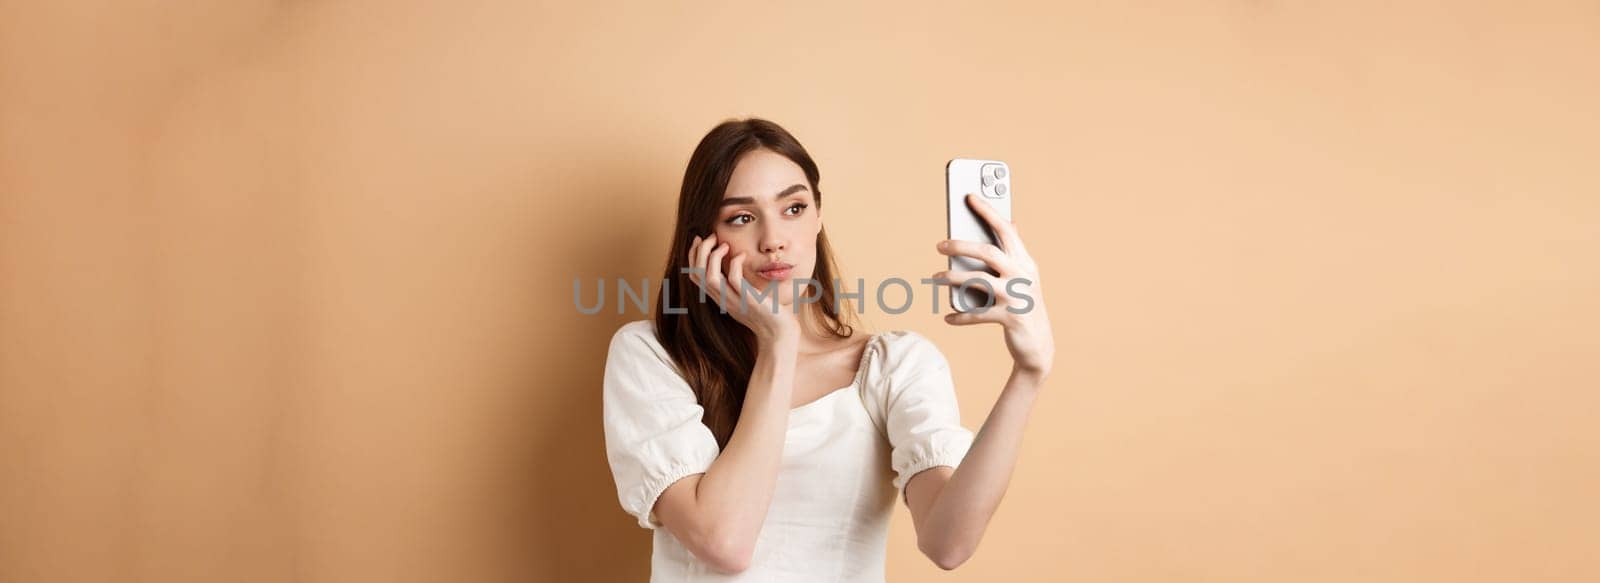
column 728, row 291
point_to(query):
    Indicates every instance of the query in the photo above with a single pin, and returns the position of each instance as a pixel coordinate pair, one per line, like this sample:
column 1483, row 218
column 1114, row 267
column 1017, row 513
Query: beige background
column 287, row 285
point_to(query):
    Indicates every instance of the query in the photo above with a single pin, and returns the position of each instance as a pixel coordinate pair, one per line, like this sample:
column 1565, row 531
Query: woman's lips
column 777, row 272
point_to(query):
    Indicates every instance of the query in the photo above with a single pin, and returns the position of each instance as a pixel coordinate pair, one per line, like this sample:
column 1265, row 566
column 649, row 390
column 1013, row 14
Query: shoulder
column 637, row 329
column 898, row 357
column 898, row 361
column 634, row 343
column 634, row 336
column 906, row 350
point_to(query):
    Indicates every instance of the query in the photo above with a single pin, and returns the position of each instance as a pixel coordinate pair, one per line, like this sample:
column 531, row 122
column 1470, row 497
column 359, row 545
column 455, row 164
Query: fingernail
column 944, row 244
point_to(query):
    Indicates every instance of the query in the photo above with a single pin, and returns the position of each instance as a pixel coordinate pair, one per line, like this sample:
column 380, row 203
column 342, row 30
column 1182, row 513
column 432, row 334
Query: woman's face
column 770, row 215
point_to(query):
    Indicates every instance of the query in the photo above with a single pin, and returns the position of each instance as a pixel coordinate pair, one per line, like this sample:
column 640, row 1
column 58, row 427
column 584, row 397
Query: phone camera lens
column 999, row 172
column 1000, row 189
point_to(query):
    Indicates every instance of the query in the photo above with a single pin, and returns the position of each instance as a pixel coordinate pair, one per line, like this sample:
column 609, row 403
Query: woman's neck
column 814, row 337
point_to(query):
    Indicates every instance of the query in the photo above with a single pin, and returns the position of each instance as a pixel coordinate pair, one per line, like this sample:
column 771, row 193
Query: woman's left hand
column 1019, row 307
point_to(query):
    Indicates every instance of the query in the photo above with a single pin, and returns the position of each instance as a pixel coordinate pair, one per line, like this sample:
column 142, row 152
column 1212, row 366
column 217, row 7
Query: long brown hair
column 715, row 353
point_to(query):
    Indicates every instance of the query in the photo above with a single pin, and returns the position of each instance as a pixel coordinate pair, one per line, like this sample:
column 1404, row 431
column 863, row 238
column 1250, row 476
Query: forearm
column 734, row 494
column 962, row 508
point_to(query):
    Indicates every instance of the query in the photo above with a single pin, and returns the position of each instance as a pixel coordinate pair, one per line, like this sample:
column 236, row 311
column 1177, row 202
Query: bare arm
column 717, row 515
column 950, row 509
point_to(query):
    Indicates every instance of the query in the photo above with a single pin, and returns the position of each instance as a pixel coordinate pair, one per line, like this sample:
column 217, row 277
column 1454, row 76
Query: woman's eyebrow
column 791, row 190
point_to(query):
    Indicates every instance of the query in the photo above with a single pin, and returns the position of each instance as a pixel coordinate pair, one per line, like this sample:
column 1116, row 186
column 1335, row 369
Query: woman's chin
column 783, row 288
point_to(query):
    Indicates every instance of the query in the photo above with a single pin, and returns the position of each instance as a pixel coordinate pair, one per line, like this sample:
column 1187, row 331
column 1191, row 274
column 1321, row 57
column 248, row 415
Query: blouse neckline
column 861, row 368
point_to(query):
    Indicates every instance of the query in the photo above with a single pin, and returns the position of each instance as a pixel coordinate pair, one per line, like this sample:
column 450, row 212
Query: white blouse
column 845, row 456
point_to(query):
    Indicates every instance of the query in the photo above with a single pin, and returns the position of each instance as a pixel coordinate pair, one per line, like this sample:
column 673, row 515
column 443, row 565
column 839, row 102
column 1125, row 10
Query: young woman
column 768, row 446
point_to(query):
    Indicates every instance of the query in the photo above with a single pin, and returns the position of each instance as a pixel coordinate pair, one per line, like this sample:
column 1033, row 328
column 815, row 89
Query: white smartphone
column 990, row 179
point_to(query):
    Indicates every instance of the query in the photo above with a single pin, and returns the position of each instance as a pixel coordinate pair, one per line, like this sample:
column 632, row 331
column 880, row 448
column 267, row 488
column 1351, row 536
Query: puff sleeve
column 653, row 430
column 923, row 419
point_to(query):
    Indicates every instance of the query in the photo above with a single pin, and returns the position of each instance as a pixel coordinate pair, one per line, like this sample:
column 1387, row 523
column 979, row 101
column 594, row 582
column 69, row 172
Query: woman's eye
column 745, row 218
